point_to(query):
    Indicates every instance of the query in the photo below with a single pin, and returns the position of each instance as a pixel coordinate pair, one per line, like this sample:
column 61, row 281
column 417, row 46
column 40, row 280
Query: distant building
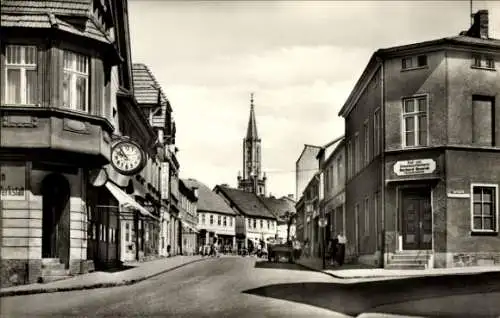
column 423, row 153
column 254, row 222
column 188, row 237
column 216, row 219
column 284, row 210
column 306, row 167
column 253, row 180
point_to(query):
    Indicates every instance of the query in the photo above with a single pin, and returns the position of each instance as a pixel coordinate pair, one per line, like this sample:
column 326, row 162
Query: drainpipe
column 383, row 249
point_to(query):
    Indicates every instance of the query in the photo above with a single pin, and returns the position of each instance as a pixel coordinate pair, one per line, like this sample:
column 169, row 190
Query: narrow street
column 244, row 287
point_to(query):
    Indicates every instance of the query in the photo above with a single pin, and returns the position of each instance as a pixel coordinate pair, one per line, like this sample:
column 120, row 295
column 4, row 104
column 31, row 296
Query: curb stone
column 42, row 290
column 392, row 276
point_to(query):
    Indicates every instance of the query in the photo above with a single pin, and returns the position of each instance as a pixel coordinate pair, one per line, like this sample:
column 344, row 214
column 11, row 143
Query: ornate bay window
column 21, row 75
column 76, row 81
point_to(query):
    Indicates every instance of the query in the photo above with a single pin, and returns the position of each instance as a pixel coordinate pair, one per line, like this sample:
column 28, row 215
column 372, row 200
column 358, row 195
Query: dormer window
column 483, row 61
column 414, row 62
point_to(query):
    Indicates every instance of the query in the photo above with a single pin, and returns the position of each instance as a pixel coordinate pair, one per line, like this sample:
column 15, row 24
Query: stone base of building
column 370, row 259
column 15, row 272
column 466, row 259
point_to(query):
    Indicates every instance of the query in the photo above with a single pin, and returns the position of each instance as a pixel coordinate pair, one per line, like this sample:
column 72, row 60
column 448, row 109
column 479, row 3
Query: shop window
column 21, row 75
column 484, row 208
column 76, row 81
column 415, row 121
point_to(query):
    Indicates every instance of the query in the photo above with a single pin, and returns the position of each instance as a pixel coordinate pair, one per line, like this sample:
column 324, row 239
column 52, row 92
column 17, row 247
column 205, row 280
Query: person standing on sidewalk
column 342, row 241
column 333, row 250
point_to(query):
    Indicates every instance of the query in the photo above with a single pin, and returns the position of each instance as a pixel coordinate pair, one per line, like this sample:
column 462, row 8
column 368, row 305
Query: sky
column 301, row 59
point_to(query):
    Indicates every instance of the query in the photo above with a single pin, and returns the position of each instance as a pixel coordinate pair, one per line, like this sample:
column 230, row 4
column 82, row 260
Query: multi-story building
column 255, row 224
column 189, row 219
column 253, row 180
column 306, row 167
column 423, row 152
column 66, row 92
column 216, row 219
column 308, row 208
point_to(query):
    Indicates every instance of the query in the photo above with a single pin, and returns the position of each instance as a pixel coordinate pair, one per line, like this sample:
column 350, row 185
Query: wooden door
column 417, row 219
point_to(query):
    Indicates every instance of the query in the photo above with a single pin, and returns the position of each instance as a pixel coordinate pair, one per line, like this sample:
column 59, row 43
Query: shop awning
column 126, row 200
column 189, row 226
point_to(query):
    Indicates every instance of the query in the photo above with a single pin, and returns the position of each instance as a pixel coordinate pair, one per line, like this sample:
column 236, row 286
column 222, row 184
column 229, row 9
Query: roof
column 313, row 148
column 53, row 14
column 252, row 124
column 381, row 54
column 279, row 206
column 248, row 203
column 60, row 7
column 208, row 201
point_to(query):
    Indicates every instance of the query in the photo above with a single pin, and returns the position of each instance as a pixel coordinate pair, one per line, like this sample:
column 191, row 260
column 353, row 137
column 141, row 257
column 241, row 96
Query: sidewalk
column 352, row 271
column 138, row 272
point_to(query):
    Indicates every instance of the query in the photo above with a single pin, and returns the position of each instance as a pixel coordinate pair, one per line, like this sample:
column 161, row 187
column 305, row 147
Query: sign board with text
column 414, row 167
column 13, row 183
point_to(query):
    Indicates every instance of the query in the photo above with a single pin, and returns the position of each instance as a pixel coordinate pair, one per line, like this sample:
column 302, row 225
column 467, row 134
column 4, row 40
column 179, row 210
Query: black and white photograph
column 250, row 158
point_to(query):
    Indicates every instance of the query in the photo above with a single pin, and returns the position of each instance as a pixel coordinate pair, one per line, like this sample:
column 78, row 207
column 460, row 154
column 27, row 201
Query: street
column 246, row 287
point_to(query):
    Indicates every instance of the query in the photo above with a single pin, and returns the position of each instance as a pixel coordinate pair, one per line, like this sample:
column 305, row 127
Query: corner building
column 56, row 127
column 423, row 153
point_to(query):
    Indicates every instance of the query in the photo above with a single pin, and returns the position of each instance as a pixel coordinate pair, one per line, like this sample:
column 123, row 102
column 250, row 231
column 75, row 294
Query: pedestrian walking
column 333, row 250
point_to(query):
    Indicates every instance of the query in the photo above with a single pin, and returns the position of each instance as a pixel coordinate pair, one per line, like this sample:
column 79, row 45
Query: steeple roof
column 252, row 124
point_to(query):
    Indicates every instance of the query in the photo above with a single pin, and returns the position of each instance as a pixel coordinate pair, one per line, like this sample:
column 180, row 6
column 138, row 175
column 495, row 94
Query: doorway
column 417, row 219
column 56, row 218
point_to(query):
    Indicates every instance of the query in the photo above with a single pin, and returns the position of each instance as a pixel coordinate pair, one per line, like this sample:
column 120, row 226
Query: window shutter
column 97, row 87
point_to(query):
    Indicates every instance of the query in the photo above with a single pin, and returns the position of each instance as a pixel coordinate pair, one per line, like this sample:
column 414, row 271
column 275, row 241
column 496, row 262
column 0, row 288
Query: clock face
column 127, row 157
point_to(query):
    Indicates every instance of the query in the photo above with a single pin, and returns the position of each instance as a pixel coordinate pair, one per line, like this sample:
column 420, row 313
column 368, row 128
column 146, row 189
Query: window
column 484, row 208
column 268, row 224
column 483, row 128
column 211, row 219
column 415, row 121
column 230, row 221
column 357, row 153
column 76, row 81
column 367, row 217
column 261, row 224
column 483, row 61
column 254, row 223
column 21, row 75
column 376, row 132
column 203, row 218
column 225, row 221
column 249, row 223
column 413, row 62
column 218, row 220
column 349, row 159
column 339, row 170
column 366, row 136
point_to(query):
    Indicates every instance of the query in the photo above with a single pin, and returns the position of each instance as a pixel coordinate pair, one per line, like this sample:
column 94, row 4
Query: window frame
column 366, row 221
column 496, row 212
column 490, row 99
column 483, row 60
column 377, row 145
column 23, row 67
column 74, row 74
column 415, row 115
column 366, row 142
column 356, row 153
column 414, row 62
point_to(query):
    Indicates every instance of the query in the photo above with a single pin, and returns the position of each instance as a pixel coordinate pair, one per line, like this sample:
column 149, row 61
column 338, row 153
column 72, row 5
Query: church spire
column 252, row 124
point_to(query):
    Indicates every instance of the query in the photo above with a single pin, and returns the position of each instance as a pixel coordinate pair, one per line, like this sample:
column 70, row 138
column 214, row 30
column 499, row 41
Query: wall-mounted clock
column 127, row 157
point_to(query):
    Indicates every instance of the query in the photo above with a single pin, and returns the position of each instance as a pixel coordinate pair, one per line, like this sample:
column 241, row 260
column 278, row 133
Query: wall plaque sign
column 414, row 167
column 13, row 183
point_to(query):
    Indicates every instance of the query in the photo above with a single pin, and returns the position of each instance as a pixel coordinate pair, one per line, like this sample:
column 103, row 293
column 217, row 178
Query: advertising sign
column 414, row 167
column 13, row 183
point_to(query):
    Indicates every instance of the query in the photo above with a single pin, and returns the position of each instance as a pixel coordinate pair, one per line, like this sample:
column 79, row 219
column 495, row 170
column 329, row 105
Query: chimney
column 479, row 28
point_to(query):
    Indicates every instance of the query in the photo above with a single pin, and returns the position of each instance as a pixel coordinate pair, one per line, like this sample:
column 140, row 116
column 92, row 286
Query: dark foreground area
column 244, row 287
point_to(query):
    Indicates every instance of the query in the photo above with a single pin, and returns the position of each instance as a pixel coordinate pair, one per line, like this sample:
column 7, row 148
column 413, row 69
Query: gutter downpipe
column 382, row 159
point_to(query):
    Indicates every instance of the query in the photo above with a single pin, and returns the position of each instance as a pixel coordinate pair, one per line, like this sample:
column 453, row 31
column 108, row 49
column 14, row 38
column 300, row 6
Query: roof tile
column 247, row 202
